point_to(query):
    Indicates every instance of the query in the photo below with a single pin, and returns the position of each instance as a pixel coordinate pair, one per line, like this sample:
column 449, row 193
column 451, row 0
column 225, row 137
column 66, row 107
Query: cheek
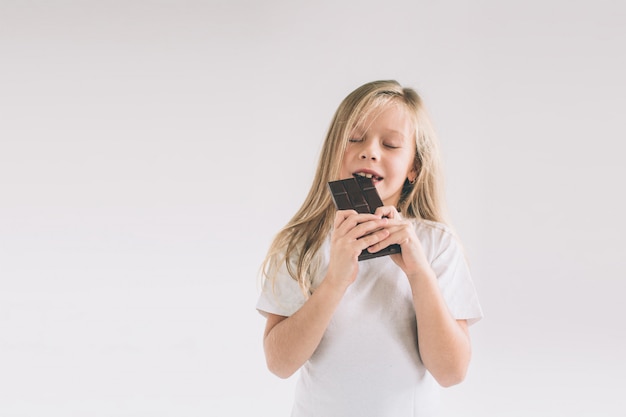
column 345, row 161
column 410, row 164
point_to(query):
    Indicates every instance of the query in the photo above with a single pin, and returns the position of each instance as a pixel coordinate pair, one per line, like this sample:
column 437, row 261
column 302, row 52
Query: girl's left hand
column 412, row 259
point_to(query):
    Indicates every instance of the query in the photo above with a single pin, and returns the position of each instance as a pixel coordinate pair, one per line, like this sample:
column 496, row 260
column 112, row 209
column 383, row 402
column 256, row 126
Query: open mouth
column 374, row 177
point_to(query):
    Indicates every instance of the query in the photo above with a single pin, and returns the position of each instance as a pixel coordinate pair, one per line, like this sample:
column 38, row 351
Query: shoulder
column 429, row 229
column 435, row 237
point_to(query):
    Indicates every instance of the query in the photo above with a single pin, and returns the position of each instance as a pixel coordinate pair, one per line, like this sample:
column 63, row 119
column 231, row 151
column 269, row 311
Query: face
column 383, row 147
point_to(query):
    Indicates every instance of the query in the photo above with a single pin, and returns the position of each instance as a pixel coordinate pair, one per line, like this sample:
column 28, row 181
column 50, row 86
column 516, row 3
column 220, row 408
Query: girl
column 376, row 337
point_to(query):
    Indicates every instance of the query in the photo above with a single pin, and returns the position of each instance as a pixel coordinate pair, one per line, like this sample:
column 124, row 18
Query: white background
column 150, row 150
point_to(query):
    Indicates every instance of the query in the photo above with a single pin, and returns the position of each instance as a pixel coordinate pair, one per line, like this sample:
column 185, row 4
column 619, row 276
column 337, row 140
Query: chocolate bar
column 359, row 194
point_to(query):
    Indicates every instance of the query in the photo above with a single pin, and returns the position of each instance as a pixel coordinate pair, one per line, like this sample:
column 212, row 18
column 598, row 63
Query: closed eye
column 355, row 140
column 391, row 146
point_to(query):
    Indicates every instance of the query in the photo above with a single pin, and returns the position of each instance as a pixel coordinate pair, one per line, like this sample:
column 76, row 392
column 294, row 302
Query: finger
column 373, row 239
column 387, row 211
column 398, row 234
column 341, row 216
column 380, row 245
column 349, row 219
column 366, row 228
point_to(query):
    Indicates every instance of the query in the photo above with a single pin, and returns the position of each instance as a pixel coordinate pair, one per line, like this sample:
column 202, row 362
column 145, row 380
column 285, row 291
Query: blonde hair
column 297, row 244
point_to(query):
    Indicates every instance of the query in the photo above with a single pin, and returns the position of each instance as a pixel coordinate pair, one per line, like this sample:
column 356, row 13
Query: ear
column 414, row 172
column 412, row 175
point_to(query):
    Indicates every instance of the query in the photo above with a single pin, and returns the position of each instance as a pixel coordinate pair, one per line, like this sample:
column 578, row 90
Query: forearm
column 443, row 342
column 292, row 341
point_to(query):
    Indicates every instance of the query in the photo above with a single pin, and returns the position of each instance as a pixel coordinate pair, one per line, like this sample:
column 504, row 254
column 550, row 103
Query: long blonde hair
column 297, row 244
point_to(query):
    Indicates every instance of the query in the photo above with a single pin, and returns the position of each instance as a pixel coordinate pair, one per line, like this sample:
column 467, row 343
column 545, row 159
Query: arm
column 290, row 341
column 443, row 342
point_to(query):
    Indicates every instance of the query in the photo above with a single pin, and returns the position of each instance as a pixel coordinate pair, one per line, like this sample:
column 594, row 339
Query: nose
column 369, row 151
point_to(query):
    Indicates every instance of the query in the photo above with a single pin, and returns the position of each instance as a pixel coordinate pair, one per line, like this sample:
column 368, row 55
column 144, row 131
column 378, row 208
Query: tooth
column 368, row 175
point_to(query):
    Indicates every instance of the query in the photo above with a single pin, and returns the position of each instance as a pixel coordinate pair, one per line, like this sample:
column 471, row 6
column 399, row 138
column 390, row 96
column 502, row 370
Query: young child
column 374, row 337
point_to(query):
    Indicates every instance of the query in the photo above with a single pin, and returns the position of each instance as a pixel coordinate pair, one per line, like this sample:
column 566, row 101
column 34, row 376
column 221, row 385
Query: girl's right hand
column 352, row 233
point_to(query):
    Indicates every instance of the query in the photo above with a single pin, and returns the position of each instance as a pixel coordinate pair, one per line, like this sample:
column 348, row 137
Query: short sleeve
column 455, row 281
column 281, row 296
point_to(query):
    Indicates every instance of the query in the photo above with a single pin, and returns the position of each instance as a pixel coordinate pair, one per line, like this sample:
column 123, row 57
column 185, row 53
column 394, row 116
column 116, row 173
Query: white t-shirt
column 367, row 363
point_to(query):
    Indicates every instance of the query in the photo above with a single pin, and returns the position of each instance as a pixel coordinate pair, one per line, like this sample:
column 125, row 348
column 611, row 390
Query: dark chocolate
column 359, row 194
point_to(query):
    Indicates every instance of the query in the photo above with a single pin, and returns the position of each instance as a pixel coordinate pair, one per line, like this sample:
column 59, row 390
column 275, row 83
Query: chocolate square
column 359, row 194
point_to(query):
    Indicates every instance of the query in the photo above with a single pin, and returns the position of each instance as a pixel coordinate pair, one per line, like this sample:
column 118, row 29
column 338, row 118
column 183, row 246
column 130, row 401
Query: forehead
column 392, row 116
